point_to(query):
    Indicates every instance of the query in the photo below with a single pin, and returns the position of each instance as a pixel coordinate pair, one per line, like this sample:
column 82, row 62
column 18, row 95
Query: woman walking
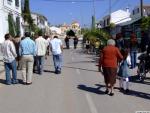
column 109, row 58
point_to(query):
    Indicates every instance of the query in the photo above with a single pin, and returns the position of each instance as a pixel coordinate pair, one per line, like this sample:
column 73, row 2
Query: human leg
column 7, row 73
column 14, row 72
column 30, row 62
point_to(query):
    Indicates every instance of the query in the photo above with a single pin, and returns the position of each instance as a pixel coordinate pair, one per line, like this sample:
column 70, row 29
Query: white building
column 55, row 30
column 41, row 22
column 10, row 8
column 117, row 17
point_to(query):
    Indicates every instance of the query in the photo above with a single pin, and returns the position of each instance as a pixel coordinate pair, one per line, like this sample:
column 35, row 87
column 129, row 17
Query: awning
column 129, row 22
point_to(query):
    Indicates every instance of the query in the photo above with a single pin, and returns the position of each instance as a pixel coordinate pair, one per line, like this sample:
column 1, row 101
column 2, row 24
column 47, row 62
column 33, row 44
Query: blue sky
column 66, row 12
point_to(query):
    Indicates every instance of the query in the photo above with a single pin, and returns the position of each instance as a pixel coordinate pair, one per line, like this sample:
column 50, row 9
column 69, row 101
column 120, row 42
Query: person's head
column 27, row 34
column 111, row 42
column 7, row 36
column 40, row 33
column 55, row 36
column 118, row 36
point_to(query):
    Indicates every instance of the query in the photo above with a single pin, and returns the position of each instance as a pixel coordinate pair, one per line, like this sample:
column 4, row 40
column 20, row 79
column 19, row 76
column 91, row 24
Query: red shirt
column 110, row 56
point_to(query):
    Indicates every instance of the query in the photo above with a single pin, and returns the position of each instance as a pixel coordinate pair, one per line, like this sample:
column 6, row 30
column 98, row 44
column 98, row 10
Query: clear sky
column 62, row 11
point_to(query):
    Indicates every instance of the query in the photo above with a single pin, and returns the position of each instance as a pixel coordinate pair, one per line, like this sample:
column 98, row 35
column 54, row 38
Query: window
column 9, row 2
column 108, row 21
column 17, row 3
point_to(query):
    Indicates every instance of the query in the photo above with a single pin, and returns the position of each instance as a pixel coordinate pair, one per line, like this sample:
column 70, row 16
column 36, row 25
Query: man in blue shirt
column 27, row 51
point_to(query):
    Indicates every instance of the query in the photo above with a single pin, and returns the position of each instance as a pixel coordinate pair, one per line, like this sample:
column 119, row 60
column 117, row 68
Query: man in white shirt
column 56, row 47
column 9, row 58
column 41, row 48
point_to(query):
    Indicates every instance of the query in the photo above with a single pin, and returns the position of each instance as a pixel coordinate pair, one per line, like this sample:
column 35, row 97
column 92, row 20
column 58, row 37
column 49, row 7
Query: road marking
column 91, row 103
column 78, row 71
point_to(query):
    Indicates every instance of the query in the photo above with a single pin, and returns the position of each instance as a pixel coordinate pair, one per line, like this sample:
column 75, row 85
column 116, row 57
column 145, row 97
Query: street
column 79, row 89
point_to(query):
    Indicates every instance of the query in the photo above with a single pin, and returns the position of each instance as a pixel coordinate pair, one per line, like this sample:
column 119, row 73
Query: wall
column 6, row 8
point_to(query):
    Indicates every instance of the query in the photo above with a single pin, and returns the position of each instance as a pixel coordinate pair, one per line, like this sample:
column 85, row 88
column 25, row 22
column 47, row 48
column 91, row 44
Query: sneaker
column 15, row 81
column 111, row 94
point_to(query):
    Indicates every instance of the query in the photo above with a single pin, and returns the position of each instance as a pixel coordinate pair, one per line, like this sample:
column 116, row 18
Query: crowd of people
column 28, row 55
column 113, row 61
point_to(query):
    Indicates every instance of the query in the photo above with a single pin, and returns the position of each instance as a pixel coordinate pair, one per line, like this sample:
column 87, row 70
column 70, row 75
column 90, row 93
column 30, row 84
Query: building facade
column 41, row 22
column 10, row 9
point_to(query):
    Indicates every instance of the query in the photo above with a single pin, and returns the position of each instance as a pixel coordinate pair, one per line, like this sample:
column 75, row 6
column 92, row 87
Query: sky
column 67, row 11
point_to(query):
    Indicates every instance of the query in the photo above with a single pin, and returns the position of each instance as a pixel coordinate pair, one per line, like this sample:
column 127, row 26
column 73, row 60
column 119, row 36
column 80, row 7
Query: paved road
column 79, row 89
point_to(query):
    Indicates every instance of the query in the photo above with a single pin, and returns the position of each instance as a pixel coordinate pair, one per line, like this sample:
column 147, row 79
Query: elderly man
column 27, row 51
column 57, row 48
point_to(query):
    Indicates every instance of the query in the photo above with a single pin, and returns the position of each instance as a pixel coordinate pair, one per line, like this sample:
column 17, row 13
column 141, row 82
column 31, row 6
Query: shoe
column 15, row 82
column 107, row 91
column 111, row 94
column 59, row 72
column 7, row 83
column 29, row 83
column 127, row 91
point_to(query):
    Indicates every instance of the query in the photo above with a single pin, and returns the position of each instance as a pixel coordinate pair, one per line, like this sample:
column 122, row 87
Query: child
column 124, row 72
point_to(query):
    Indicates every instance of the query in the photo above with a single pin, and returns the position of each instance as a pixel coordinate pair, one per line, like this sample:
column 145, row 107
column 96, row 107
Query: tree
column 94, row 34
column 11, row 25
column 93, row 22
column 27, row 15
column 70, row 33
column 145, row 24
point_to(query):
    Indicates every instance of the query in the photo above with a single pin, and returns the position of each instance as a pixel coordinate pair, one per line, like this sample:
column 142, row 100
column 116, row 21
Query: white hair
column 111, row 42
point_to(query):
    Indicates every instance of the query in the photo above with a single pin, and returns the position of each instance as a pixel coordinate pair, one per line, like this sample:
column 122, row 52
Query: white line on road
column 78, row 71
column 90, row 103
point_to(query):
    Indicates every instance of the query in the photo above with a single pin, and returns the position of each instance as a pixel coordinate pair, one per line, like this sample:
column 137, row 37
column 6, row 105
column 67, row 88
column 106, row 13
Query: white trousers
column 124, row 83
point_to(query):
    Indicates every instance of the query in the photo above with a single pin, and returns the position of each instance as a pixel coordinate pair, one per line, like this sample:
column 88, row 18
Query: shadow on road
column 2, row 81
column 71, row 68
column 81, row 62
column 135, row 79
column 80, row 68
column 138, row 94
column 49, row 71
column 91, row 89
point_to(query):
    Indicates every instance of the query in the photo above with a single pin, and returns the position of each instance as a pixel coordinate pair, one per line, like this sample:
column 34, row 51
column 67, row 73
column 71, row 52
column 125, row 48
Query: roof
column 39, row 15
column 129, row 22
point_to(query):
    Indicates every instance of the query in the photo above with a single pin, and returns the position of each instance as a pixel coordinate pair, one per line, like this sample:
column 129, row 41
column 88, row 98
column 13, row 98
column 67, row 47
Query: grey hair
column 111, row 42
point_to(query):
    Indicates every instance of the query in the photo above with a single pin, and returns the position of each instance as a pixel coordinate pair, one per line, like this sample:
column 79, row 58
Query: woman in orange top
column 108, row 60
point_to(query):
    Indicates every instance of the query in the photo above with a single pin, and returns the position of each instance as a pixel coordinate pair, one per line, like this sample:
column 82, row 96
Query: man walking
column 41, row 47
column 27, row 51
column 57, row 48
column 9, row 55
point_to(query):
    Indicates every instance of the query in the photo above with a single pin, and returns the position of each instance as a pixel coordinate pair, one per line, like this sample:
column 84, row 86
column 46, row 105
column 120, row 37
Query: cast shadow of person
column 91, row 89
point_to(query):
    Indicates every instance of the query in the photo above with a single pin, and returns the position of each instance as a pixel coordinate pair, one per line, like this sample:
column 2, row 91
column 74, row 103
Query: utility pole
column 141, row 4
column 93, row 16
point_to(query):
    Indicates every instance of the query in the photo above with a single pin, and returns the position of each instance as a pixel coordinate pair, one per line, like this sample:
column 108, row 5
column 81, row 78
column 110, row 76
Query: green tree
column 11, row 25
column 94, row 34
column 27, row 15
column 145, row 23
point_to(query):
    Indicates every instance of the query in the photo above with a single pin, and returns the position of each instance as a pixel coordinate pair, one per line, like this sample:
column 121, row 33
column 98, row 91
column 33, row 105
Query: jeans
column 57, row 62
column 8, row 67
column 133, row 58
column 40, row 64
